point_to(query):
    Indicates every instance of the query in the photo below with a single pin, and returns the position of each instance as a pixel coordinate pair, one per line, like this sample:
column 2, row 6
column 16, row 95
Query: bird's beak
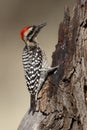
column 41, row 26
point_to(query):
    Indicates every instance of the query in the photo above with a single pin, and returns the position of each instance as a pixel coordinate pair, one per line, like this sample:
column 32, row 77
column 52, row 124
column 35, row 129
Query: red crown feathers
column 23, row 31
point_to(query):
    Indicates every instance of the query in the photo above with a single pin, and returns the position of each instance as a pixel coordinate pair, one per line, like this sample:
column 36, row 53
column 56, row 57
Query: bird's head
column 29, row 34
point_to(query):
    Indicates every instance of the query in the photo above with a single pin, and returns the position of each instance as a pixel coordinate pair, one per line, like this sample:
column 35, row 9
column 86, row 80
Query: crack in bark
column 67, row 78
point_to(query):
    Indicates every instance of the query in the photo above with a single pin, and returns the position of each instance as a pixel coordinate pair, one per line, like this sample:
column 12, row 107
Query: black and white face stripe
column 30, row 34
column 32, row 62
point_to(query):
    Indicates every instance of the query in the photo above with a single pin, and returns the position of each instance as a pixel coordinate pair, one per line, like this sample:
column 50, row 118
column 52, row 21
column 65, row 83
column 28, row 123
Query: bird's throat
column 31, row 44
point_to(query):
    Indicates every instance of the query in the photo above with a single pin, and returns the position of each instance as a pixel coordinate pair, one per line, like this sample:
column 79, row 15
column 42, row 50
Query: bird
column 35, row 64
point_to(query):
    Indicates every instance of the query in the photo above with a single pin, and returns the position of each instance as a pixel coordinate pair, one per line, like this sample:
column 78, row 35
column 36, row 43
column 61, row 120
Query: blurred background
column 14, row 15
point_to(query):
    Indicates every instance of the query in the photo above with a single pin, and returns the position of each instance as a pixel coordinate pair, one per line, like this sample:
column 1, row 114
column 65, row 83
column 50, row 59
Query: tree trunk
column 62, row 103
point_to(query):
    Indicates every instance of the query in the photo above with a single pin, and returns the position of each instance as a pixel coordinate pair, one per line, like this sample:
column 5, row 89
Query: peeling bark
column 62, row 102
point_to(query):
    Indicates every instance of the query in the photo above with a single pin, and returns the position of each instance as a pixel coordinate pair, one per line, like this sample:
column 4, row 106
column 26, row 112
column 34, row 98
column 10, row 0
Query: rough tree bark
column 62, row 103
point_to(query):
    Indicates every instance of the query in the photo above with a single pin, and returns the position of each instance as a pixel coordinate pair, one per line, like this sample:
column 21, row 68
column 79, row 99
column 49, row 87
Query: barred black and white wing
column 32, row 62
